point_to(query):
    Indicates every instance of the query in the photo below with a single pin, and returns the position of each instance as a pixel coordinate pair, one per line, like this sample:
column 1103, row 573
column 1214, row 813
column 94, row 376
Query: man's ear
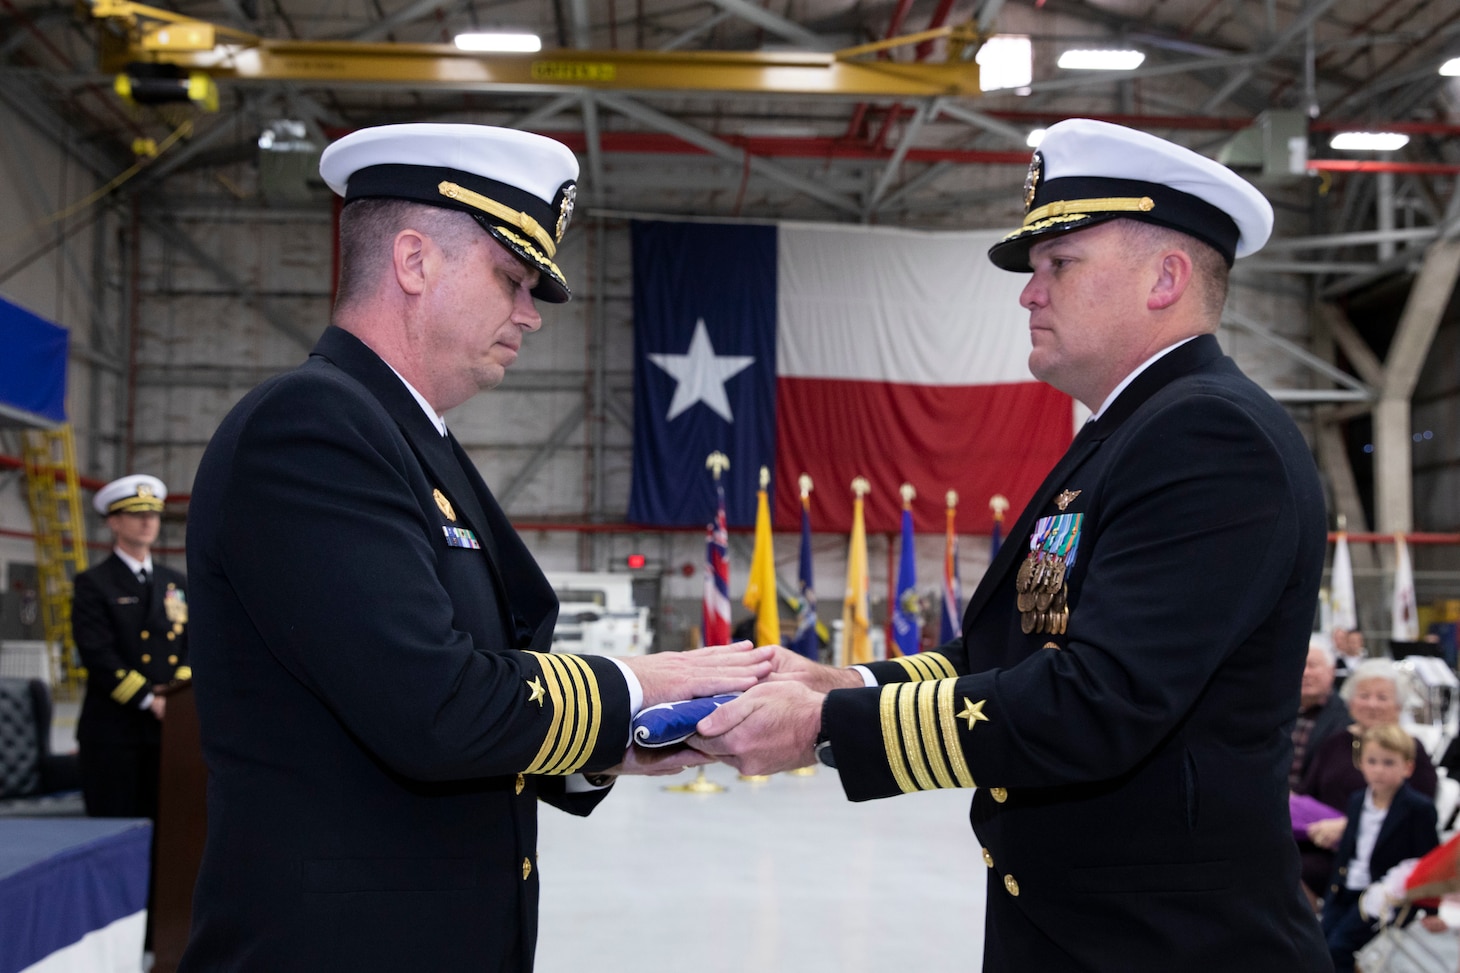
column 1173, row 277
column 408, row 260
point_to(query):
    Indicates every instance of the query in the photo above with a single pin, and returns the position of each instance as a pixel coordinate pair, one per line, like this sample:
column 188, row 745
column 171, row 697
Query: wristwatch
column 823, row 744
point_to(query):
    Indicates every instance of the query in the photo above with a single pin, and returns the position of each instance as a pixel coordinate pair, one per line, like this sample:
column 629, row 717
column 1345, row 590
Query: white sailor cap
column 135, row 494
column 1087, row 172
column 519, row 186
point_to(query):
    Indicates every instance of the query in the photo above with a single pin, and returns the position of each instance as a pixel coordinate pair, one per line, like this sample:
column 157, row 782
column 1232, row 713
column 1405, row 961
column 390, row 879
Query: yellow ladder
column 54, row 493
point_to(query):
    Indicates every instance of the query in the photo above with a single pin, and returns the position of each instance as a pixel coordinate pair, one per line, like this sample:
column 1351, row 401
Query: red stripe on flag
column 976, row 439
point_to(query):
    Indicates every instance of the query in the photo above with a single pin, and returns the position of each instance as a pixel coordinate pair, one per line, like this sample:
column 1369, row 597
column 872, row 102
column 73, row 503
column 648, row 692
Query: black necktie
column 142, row 575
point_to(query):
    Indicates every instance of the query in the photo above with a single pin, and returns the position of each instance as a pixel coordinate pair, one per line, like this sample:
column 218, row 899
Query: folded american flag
column 669, row 723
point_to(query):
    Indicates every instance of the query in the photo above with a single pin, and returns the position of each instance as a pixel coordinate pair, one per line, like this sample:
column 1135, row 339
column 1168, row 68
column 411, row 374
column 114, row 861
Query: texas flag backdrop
column 835, row 351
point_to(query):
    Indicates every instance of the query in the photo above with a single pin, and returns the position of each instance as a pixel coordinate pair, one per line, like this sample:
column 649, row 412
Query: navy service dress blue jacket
column 379, row 709
column 1131, row 759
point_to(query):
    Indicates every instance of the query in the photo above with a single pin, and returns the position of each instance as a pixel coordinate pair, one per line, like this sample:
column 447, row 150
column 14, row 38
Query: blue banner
column 806, row 642
column 907, row 614
column 704, row 368
column 33, row 368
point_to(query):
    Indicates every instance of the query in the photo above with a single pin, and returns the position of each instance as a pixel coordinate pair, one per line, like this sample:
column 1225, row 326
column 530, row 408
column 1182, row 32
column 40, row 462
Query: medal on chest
column 1041, row 593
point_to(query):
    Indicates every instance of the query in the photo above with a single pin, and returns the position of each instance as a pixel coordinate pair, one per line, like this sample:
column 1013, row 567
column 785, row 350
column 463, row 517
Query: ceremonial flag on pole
column 806, row 642
column 1341, row 585
column 836, row 351
column 952, row 584
column 998, row 503
column 856, row 615
column 1405, row 616
column 760, row 592
column 717, row 565
column 905, row 614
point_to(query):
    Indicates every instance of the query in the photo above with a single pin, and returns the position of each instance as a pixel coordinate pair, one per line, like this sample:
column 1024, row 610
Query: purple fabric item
column 1304, row 810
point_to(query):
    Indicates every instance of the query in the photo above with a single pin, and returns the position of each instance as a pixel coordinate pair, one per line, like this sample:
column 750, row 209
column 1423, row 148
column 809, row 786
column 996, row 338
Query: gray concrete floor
column 776, row 877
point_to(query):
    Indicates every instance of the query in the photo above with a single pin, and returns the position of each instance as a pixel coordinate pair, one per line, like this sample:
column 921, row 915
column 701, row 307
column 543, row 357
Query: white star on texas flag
column 701, row 374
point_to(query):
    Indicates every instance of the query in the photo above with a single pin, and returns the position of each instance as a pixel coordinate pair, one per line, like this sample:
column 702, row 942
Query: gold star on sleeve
column 972, row 712
column 538, row 695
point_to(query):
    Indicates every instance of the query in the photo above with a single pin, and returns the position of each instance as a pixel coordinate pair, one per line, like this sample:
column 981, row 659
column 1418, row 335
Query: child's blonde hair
column 1390, row 737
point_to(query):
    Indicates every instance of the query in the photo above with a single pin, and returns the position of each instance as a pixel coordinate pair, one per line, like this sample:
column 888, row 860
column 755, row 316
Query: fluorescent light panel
column 1101, row 60
column 1369, row 141
column 500, row 41
column 1005, row 61
column 1451, row 68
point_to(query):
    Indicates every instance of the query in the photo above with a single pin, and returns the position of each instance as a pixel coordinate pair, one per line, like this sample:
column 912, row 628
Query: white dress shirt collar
column 1132, row 376
column 133, row 563
column 431, row 413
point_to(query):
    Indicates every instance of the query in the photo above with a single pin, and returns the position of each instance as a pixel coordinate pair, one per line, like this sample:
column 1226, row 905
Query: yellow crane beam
column 134, row 33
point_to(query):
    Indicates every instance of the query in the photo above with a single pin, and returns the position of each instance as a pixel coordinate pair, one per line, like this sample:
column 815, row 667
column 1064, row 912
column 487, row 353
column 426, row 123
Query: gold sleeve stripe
column 913, row 665
column 565, row 696
column 572, row 690
column 555, row 699
column 890, row 741
column 948, row 723
column 943, row 664
column 587, row 715
column 128, row 687
column 907, row 714
column 928, row 727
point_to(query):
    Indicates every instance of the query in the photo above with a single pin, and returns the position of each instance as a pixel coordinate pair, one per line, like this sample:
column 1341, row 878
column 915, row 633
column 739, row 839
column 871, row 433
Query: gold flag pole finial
column 908, row 492
column 1342, row 523
column 717, row 462
column 804, row 482
column 952, row 498
column 765, row 477
column 861, row 487
column 700, row 785
column 999, row 503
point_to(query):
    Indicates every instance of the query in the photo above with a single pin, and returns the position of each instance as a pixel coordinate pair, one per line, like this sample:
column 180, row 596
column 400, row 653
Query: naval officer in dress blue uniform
column 379, row 706
column 129, row 617
column 1122, row 694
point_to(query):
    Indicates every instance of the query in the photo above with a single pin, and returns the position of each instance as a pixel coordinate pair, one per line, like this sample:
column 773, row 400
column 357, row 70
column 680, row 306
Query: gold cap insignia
column 1031, row 180
column 143, row 490
column 565, row 209
column 445, row 505
column 1065, row 498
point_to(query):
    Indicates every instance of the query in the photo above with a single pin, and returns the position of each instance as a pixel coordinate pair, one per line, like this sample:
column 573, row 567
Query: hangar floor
column 772, row 877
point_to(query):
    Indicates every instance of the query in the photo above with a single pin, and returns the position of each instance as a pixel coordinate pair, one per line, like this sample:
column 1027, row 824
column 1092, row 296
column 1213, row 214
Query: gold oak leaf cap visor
column 1087, row 172
column 519, row 186
column 138, row 493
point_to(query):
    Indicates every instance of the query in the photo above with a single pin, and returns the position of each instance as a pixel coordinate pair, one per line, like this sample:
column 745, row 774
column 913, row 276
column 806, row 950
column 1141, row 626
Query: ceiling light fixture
column 1451, row 68
column 1369, row 141
column 500, row 41
column 1101, row 60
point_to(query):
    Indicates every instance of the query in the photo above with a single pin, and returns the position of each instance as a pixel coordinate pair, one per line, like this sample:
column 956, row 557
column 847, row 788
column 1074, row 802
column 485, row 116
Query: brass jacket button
column 998, row 794
column 521, row 783
column 1011, row 885
column 526, row 868
column 987, row 858
column 146, row 658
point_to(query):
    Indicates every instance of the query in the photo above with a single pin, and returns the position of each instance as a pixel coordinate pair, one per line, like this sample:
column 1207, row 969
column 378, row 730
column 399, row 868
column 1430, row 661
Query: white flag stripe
column 1405, row 624
column 1341, row 588
column 893, row 305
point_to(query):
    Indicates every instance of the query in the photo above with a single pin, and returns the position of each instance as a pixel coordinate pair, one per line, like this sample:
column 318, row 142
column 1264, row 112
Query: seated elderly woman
column 1374, row 694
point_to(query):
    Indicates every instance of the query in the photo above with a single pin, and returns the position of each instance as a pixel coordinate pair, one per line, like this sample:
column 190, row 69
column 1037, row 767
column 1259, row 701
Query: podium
column 182, row 826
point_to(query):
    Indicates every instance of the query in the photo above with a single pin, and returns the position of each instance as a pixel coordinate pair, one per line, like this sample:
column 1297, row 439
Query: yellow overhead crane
column 134, row 35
